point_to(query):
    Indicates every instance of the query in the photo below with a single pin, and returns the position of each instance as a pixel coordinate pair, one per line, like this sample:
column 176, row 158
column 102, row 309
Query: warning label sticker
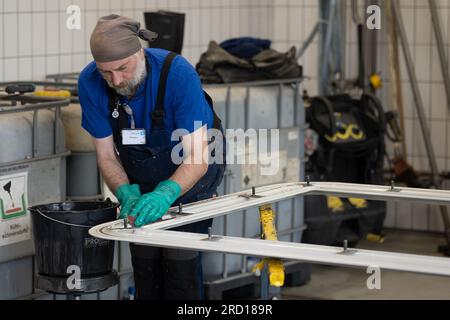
column 14, row 217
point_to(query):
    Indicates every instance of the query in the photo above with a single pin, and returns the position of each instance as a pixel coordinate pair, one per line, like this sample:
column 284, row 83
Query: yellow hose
column 53, row 94
column 275, row 266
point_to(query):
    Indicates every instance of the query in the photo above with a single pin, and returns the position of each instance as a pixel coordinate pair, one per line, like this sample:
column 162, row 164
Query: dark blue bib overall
column 164, row 273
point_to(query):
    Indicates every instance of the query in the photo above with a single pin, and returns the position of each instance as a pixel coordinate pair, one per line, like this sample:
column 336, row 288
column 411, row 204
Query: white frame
column 156, row 234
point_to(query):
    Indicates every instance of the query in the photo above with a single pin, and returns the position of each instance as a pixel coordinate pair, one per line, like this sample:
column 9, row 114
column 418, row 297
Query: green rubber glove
column 128, row 196
column 154, row 205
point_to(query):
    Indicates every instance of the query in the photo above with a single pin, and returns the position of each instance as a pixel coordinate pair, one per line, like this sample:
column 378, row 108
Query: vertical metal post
column 244, row 212
column 119, row 269
column 325, row 54
column 370, row 44
column 225, row 221
column 355, row 15
column 279, row 110
column 33, row 273
column 394, row 72
column 227, row 107
column 295, row 114
column 300, row 118
column 225, row 256
column 343, row 13
column 35, row 133
column 264, row 279
column 279, row 105
column 58, row 134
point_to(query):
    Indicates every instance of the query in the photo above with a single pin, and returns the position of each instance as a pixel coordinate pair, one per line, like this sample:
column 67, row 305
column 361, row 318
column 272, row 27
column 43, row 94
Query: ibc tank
column 15, row 138
column 83, row 180
column 45, row 131
column 263, row 113
column 77, row 139
column 234, row 118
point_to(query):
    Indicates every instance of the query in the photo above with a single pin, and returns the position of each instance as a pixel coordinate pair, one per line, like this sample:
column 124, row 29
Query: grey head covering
column 116, row 37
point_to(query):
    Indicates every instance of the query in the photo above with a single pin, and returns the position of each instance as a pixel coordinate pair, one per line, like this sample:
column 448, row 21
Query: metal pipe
column 255, row 83
column 34, row 134
column 62, row 76
column 394, row 72
column 40, row 158
column 355, row 16
column 119, row 267
column 33, row 273
column 246, row 127
column 36, row 106
column 225, row 265
column 310, row 39
column 247, row 108
column 279, row 104
column 227, row 119
column 370, row 44
column 324, row 72
column 40, row 83
column 343, row 14
column 227, row 106
column 244, row 258
column 58, row 132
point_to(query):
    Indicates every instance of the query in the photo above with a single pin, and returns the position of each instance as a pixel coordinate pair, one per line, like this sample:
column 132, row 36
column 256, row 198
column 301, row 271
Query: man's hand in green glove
column 128, row 196
column 154, row 205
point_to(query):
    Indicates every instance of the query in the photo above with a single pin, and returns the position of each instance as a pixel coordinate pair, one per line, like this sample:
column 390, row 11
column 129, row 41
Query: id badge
column 133, row 137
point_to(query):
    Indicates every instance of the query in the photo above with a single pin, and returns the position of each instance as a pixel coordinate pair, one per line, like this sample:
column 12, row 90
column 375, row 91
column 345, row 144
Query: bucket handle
column 65, row 223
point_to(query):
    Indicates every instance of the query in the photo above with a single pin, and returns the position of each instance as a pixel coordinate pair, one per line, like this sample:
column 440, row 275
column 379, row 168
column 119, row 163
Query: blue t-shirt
column 184, row 102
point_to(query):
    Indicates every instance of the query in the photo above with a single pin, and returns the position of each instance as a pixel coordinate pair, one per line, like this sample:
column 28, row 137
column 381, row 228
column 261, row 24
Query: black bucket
column 61, row 238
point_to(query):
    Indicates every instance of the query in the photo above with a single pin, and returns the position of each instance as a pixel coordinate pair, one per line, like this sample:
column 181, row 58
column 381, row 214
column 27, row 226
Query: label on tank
column 14, row 217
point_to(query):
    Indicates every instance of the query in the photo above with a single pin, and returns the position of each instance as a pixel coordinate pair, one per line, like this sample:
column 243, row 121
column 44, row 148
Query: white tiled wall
column 293, row 21
column 34, row 40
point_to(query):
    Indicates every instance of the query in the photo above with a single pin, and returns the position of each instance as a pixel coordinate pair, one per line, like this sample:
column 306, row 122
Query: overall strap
column 158, row 113
column 216, row 120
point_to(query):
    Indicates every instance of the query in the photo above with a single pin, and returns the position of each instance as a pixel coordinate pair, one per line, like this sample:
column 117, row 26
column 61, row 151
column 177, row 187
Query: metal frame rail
column 157, row 234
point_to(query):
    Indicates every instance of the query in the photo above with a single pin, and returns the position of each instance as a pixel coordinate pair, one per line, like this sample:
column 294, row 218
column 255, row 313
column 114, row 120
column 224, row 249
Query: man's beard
column 129, row 87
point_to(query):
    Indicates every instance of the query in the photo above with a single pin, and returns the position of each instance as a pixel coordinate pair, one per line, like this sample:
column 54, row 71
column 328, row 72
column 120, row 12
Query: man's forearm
column 113, row 173
column 187, row 175
column 194, row 165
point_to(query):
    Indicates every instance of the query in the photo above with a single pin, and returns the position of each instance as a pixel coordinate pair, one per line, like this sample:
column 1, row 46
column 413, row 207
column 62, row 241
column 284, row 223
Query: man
column 132, row 100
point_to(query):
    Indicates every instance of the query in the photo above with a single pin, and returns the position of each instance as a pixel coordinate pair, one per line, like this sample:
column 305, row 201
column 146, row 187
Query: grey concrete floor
column 338, row 283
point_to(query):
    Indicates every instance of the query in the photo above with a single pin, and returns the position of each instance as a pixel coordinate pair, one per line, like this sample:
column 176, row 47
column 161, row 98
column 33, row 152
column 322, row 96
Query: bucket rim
column 40, row 207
